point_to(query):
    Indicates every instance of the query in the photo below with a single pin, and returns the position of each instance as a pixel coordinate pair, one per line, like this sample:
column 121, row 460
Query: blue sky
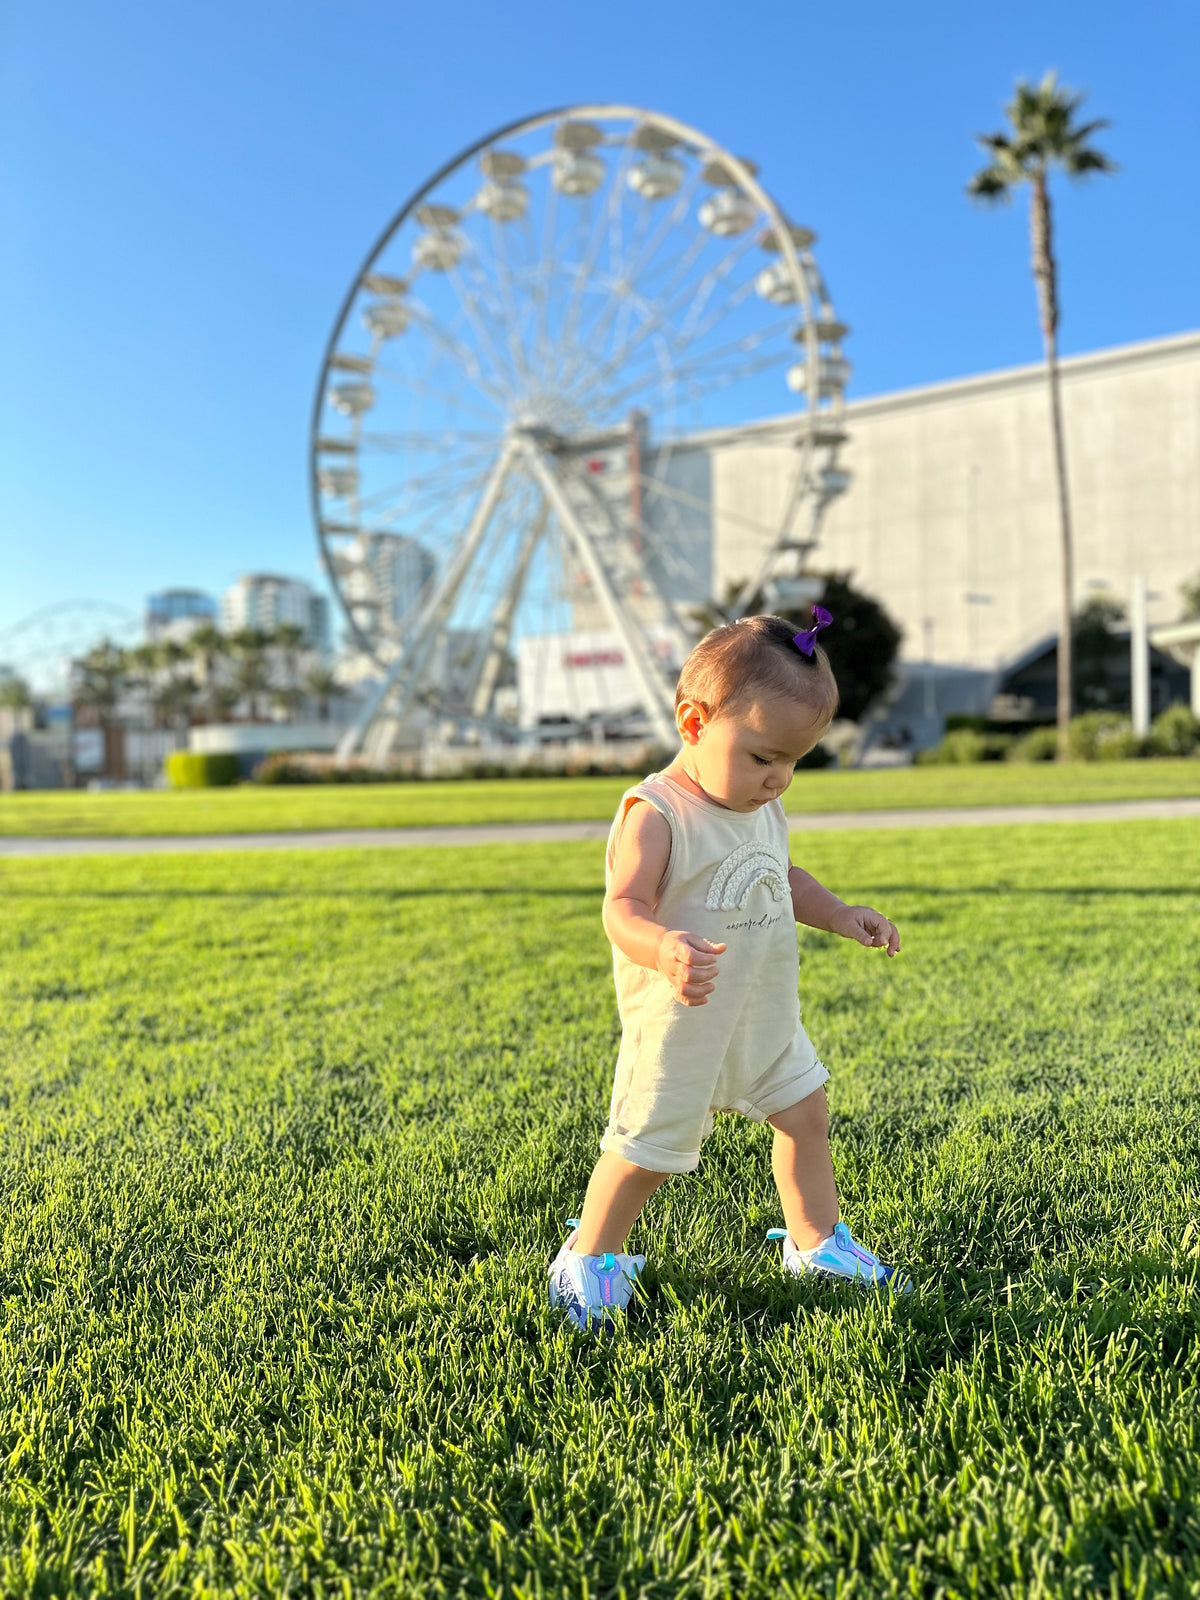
column 188, row 192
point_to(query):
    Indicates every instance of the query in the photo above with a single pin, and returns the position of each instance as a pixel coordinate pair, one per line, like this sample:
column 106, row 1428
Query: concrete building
column 387, row 586
column 951, row 517
column 950, row 520
column 265, row 601
column 177, row 613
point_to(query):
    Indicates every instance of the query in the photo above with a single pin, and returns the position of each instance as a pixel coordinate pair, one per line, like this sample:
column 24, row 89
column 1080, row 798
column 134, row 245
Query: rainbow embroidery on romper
column 744, row 867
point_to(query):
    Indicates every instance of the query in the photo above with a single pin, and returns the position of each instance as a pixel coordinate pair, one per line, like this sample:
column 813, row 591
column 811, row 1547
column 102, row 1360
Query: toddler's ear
column 691, row 719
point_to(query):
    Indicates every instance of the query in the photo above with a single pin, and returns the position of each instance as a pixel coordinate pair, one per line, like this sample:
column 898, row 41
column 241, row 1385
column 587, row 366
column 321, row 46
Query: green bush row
column 1094, row 736
column 187, row 770
column 289, row 769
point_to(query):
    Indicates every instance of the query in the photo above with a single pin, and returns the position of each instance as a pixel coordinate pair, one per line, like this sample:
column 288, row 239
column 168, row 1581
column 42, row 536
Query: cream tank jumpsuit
column 746, row 1049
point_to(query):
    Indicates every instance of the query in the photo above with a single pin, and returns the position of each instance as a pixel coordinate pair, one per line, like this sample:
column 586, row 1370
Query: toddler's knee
column 807, row 1119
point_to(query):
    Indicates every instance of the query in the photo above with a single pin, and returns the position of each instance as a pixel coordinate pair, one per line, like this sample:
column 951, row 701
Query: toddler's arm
column 687, row 961
column 817, row 907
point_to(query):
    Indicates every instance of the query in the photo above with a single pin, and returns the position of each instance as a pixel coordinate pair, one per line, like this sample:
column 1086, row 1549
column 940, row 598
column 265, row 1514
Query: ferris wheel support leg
column 670, row 621
column 653, row 689
column 419, row 644
column 479, row 696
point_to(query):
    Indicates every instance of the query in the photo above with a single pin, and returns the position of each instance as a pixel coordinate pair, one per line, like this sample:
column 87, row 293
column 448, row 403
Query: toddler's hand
column 689, row 965
column 868, row 927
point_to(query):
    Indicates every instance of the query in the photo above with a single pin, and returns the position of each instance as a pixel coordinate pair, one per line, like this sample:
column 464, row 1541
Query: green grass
column 249, row 809
column 289, row 1139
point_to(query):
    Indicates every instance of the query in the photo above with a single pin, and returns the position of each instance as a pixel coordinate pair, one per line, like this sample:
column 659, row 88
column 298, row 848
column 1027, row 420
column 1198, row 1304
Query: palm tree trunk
column 1045, row 278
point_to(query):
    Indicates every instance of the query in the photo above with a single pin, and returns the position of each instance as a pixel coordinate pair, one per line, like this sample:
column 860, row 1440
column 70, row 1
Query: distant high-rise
column 399, row 569
column 266, row 601
column 176, row 613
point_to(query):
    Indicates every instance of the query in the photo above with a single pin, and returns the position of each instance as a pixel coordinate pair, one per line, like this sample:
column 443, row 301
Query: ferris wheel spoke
column 463, row 359
column 423, row 443
column 469, row 458
column 700, row 290
column 486, row 274
column 412, row 489
column 595, row 334
column 473, row 310
column 461, row 353
column 444, row 511
column 732, row 361
column 509, row 303
column 615, row 212
column 542, row 277
column 607, row 220
column 696, row 327
column 665, row 313
column 421, row 388
column 656, row 489
column 444, row 498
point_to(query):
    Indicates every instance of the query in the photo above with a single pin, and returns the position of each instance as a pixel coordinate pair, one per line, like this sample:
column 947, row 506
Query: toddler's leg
column 816, row 1242
column 803, row 1168
column 615, row 1196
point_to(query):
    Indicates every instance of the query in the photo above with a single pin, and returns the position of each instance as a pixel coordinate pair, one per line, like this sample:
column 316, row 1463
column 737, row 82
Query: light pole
column 1139, row 660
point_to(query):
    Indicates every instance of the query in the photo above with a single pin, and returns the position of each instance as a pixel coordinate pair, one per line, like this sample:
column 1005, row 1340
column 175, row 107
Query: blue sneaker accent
column 841, row 1257
column 591, row 1288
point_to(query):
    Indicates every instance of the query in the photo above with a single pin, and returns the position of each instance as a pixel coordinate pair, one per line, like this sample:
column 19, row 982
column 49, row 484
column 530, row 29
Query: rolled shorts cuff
column 650, row 1156
column 780, row 1096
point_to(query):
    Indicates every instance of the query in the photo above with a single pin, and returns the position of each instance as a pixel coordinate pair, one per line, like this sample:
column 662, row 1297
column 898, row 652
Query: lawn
column 250, row 809
column 289, row 1139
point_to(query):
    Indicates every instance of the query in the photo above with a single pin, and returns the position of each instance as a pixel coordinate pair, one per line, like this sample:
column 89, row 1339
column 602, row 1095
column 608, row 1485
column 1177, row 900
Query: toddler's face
column 746, row 756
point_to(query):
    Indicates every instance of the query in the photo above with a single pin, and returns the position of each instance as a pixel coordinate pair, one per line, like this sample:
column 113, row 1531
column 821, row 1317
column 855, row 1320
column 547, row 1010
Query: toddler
column 699, row 906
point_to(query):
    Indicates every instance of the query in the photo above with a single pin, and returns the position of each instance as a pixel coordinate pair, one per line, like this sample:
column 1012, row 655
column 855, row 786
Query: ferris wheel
column 499, row 446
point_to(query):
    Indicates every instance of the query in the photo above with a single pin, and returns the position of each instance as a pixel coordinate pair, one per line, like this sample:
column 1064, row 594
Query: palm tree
column 252, row 676
column 207, row 644
column 211, row 654
column 1043, row 134
column 15, row 693
column 100, row 678
column 323, row 687
column 288, row 639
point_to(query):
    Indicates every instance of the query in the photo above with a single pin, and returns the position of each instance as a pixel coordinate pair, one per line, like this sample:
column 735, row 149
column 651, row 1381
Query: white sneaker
column 840, row 1256
column 591, row 1288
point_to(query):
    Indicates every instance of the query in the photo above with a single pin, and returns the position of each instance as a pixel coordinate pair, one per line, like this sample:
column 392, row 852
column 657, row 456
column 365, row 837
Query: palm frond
column 1080, row 162
column 1087, row 129
column 992, row 183
column 1044, row 132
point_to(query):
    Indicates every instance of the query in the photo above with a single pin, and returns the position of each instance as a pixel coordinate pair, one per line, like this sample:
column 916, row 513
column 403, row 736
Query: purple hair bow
column 805, row 641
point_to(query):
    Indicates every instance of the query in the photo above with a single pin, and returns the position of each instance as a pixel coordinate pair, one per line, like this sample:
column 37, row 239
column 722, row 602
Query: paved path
column 546, row 832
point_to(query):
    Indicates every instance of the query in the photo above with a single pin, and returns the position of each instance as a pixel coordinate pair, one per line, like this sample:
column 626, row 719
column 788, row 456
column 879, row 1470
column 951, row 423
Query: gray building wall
column 677, row 522
column 953, row 494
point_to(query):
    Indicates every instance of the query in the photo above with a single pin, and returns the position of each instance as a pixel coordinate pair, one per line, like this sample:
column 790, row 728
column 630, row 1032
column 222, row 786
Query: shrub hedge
column 289, row 769
column 1093, row 736
column 1176, row 732
column 187, row 770
column 1039, row 744
column 967, row 744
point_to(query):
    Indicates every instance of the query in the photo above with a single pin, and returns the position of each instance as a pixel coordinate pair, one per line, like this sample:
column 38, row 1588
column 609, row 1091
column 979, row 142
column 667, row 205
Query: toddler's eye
column 762, row 761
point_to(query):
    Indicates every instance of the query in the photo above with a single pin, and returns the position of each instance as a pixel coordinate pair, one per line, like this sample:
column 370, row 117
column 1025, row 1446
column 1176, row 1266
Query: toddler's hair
column 742, row 660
